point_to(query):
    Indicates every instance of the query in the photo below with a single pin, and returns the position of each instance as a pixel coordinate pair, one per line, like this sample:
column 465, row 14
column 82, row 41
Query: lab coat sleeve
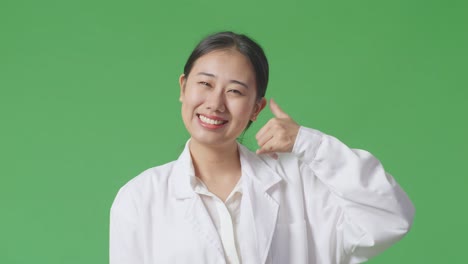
column 123, row 241
column 374, row 211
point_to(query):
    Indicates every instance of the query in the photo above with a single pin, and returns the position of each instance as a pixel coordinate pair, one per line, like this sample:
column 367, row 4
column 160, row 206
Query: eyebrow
column 231, row 81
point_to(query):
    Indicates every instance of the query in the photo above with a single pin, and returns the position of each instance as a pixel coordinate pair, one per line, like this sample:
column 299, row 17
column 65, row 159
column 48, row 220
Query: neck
column 215, row 163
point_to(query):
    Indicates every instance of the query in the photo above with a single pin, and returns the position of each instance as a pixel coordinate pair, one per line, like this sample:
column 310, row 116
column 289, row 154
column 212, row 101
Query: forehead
column 229, row 63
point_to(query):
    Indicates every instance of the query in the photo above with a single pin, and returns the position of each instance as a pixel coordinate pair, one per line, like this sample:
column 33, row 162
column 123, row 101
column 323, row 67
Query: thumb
column 276, row 110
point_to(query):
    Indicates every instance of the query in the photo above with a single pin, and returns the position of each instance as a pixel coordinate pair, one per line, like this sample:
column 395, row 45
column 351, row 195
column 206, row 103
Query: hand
column 278, row 134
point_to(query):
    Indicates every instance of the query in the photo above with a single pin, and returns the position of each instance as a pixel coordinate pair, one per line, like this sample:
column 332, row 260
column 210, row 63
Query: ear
column 182, row 81
column 259, row 105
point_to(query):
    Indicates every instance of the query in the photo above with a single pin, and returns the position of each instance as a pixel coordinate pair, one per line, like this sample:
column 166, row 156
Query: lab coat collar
column 195, row 212
column 252, row 166
column 264, row 200
column 181, row 173
column 256, row 168
column 259, row 182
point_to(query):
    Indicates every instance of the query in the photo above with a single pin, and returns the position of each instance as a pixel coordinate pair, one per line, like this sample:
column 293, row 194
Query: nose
column 216, row 101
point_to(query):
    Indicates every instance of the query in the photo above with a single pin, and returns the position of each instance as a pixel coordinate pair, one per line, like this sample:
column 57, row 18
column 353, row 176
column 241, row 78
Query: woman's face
column 219, row 97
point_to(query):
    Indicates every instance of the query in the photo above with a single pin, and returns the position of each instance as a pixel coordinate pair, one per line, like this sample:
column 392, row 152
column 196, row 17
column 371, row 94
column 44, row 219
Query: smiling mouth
column 207, row 120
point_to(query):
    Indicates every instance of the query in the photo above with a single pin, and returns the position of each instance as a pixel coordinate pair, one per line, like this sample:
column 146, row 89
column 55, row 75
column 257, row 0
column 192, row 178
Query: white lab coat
column 323, row 203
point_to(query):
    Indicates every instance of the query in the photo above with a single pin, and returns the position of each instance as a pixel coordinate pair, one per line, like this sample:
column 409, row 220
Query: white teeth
column 210, row 121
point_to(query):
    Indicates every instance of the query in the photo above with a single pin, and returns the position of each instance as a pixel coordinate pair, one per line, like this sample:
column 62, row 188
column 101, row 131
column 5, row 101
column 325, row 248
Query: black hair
column 243, row 44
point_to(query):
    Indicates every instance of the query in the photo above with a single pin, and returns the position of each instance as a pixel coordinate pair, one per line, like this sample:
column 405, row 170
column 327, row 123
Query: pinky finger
column 273, row 155
column 267, row 147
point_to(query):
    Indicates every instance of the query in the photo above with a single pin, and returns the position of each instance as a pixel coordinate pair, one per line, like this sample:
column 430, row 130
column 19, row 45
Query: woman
column 303, row 197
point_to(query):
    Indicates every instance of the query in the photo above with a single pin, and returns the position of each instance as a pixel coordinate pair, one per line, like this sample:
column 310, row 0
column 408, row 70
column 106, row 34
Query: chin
column 212, row 140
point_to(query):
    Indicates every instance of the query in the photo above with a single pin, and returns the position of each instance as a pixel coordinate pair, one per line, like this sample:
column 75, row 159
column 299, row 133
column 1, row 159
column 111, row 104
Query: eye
column 235, row 91
column 203, row 83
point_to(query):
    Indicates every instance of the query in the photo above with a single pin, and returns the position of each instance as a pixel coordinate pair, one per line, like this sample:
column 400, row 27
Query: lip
column 212, row 117
column 212, row 126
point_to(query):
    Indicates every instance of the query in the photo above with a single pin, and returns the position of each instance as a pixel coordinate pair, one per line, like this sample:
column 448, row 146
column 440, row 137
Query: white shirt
column 225, row 217
column 323, row 203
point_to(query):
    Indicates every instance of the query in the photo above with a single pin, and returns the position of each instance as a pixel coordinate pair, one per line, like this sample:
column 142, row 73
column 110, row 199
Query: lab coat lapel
column 195, row 211
column 197, row 216
column 263, row 194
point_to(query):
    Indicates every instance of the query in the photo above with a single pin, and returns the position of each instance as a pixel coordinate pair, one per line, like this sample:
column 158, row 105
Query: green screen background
column 89, row 99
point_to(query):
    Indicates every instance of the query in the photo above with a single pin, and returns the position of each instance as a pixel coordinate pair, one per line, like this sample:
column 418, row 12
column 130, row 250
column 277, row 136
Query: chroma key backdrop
column 89, row 99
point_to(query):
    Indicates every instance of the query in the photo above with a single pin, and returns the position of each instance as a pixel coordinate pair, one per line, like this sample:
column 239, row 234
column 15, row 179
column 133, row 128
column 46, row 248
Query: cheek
column 242, row 110
column 192, row 99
